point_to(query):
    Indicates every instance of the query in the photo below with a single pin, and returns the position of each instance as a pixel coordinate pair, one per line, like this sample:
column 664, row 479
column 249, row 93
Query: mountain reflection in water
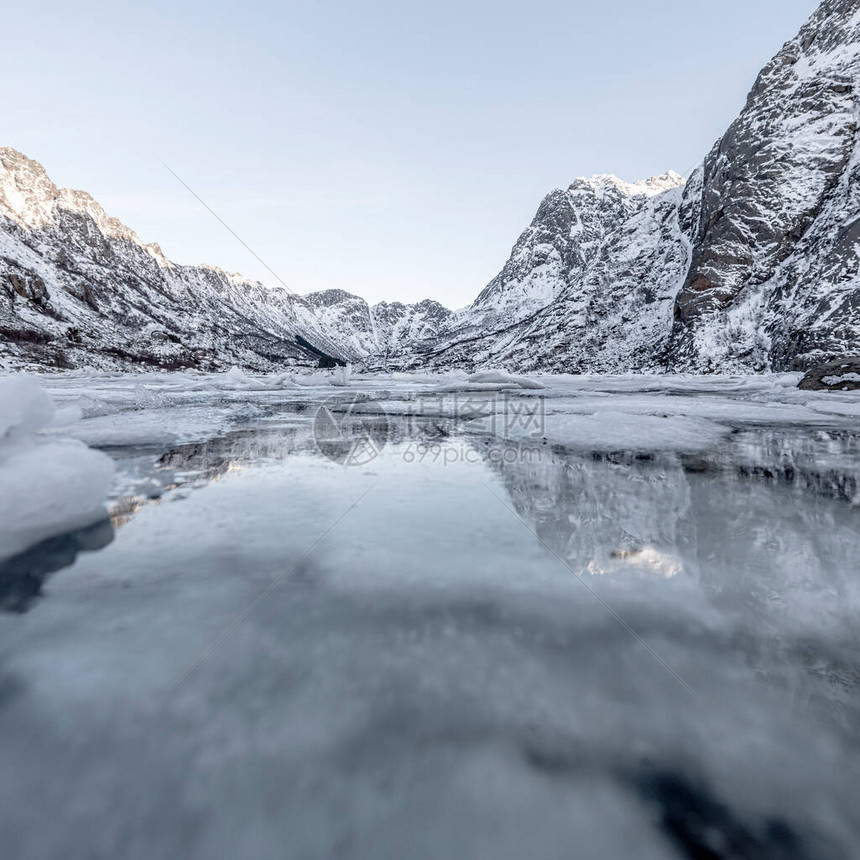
column 430, row 681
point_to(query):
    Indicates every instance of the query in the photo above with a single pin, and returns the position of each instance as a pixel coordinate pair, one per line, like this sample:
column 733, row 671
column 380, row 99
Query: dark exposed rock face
column 30, row 287
column 840, row 375
column 767, row 179
column 774, row 276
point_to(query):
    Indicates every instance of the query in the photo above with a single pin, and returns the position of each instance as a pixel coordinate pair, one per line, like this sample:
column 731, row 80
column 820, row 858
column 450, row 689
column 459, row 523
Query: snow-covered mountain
column 752, row 264
column 773, row 215
column 78, row 288
column 568, row 231
column 382, row 331
column 572, row 247
column 588, row 278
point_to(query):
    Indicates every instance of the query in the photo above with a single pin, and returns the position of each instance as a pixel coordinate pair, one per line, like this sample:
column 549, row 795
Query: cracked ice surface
column 432, row 679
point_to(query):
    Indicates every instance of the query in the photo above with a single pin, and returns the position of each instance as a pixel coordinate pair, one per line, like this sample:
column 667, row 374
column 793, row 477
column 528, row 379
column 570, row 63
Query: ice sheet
column 433, row 679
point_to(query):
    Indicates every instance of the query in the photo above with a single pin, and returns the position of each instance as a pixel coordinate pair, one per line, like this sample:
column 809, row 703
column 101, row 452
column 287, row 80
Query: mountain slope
column 612, row 292
column 753, row 265
column 383, row 330
column 773, row 279
column 79, row 288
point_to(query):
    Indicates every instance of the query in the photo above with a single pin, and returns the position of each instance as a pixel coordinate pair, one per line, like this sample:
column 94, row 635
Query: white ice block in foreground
column 48, row 486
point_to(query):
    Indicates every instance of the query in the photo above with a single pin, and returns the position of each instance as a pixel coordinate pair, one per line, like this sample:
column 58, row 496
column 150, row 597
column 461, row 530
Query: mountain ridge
column 78, row 287
column 752, row 264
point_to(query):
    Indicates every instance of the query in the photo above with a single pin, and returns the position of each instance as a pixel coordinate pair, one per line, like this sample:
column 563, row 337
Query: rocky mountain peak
column 777, row 194
column 27, row 195
column 753, row 264
column 29, row 198
column 330, row 298
column 155, row 250
column 79, row 287
column 558, row 246
column 601, row 183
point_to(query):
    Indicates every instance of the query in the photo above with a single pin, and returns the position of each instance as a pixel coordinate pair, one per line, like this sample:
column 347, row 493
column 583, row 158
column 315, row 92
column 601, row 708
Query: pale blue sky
column 395, row 150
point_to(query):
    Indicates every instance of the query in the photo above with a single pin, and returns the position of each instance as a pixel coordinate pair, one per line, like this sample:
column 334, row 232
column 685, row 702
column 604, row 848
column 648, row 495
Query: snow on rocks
column 840, row 375
column 49, row 485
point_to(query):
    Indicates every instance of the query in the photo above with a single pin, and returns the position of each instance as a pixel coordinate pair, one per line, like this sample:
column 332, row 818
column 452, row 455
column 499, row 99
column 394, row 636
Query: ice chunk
column 48, row 486
column 342, row 376
column 499, row 377
column 237, row 379
column 455, row 387
column 24, row 408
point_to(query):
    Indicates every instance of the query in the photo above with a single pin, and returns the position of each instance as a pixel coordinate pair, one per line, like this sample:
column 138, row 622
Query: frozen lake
column 610, row 618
